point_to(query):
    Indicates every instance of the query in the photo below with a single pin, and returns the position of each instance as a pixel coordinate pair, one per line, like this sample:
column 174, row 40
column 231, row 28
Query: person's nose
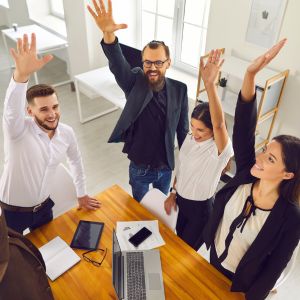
column 152, row 68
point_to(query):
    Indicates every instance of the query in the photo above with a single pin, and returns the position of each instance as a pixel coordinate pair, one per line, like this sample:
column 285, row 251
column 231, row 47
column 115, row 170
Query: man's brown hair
column 39, row 90
column 155, row 44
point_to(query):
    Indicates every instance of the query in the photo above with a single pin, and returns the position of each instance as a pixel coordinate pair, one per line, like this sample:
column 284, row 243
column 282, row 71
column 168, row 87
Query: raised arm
column 210, row 72
column 248, row 87
column 104, row 20
column 246, row 111
column 26, row 63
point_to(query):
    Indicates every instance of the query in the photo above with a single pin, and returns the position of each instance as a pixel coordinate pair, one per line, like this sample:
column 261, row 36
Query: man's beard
column 43, row 125
column 157, row 85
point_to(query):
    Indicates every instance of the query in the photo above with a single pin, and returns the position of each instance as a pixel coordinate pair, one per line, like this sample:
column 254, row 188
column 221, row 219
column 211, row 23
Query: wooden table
column 186, row 274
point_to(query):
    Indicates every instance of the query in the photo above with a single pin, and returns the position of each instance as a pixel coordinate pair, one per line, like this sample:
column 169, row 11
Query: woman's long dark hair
column 201, row 113
column 290, row 145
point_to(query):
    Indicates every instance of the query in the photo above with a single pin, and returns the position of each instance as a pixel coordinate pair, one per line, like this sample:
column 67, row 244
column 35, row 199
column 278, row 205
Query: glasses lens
column 158, row 63
column 147, row 64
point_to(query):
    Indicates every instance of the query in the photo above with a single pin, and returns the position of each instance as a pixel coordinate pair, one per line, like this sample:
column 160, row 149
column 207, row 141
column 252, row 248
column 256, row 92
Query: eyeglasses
column 158, row 63
column 95, row 263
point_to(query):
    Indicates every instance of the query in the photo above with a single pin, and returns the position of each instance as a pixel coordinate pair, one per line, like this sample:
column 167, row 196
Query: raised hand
column 210, row 70
column 26, row 60
column 261, row 61
column 104, row 18
column 248, row 87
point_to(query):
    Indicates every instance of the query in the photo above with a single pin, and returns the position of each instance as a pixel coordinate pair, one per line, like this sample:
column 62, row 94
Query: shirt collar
column 201, row 144
column 39, row 131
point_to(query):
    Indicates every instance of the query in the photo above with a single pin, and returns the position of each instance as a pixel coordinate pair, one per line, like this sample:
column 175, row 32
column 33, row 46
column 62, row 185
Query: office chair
column 154, row 202
column 63, row 191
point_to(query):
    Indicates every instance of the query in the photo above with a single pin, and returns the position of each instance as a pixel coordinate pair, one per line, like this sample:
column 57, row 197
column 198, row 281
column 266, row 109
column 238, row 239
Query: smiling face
column 45, row 111
column 154, row 74
column 269, row 164
column 200, row 132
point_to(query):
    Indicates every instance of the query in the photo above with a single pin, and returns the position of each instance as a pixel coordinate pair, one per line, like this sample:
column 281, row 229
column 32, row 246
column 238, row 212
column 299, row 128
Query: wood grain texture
column 186, row 274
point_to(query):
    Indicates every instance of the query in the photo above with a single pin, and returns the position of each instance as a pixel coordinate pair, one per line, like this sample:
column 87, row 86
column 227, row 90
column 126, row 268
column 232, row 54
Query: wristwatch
column 173, row 190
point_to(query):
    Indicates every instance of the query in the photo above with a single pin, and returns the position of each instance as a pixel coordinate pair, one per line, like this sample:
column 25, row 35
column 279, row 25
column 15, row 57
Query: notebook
column 59, row 257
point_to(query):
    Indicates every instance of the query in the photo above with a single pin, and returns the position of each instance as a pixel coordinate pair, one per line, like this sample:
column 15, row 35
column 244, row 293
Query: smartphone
column 140, row 236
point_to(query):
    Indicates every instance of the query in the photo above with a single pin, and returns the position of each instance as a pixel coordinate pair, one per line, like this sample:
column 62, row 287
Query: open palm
column 104, row 18
column 25, row 57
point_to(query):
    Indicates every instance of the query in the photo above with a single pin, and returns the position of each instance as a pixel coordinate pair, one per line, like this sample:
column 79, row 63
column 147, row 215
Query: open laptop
column 137, row 275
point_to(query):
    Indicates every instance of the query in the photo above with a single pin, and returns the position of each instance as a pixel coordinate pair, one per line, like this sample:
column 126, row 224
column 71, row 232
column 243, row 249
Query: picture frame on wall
column 265, row 21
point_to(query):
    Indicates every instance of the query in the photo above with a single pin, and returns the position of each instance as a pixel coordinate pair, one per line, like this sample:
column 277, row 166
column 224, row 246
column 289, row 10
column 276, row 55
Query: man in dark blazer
column 22, row 269
column 156, row 108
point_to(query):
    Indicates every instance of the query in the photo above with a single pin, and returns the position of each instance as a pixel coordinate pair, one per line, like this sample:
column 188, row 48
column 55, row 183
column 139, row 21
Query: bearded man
column 156, row 107
column 35, row 145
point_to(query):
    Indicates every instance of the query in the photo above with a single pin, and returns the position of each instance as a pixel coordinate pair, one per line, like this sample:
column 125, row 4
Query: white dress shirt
column 31, row 157
column 200, row 167
column 241, row 240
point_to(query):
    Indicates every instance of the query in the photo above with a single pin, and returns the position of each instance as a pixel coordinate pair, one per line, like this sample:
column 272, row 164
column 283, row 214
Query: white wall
column 227, row 28
column 3, row 19
column 17, row 13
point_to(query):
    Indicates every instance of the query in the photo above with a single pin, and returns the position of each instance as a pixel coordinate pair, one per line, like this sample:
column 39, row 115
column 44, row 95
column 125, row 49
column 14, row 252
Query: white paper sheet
column 125, row 230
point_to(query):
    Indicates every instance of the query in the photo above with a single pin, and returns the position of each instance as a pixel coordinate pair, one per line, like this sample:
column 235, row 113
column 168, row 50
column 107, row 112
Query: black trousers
column 192, row 217
column 19, row 221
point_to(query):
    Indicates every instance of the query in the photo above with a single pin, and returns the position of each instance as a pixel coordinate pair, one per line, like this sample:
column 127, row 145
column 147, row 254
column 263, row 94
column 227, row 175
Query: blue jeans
column 141, row 177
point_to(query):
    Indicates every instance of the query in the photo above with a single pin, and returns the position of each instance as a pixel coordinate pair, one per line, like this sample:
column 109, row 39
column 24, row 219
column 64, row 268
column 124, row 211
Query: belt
column 35, row 208
column 144, row 166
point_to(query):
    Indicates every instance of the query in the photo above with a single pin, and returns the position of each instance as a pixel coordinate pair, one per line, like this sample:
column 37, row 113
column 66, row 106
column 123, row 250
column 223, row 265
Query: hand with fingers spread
column 210, row 70
column 26, row 60
column 104, row 20
column 88, row 203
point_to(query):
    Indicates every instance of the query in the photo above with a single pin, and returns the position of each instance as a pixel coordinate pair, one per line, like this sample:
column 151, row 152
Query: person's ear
column 29, row 110
column 168, row 63
column 288, row 175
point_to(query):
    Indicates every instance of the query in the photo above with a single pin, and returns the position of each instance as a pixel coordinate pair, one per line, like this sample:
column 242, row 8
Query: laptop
column 137, row 275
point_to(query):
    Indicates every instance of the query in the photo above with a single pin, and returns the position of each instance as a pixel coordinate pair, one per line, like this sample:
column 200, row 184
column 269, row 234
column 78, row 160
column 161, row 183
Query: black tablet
column 87, row 235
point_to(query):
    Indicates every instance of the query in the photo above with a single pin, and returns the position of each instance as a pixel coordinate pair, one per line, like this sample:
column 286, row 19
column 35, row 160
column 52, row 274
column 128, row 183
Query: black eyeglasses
column 95, row 263
column 158, row 63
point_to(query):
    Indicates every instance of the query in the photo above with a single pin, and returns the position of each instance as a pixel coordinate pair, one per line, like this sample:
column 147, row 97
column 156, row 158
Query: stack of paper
column 125, row 230
column 58, row 257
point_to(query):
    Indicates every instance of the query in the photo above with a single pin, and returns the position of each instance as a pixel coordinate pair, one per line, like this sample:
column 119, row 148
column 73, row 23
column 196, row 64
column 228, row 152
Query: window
column 57, row 8
column 181, row 24
column 4, row 3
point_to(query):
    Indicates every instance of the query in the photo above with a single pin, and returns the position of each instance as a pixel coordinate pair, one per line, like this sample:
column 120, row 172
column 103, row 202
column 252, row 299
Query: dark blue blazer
column 262, row 264
column 138, row 94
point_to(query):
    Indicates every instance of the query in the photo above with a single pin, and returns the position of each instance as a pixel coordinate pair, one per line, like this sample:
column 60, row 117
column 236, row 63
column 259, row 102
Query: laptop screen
column 117, row 267
column 132, row 55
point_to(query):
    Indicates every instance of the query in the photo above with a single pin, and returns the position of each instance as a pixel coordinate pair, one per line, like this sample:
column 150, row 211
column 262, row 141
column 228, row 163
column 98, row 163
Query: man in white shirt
column 34, row 146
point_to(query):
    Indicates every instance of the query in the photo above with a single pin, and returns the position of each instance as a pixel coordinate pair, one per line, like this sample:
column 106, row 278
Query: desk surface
column 46, row 41
column 186, row 274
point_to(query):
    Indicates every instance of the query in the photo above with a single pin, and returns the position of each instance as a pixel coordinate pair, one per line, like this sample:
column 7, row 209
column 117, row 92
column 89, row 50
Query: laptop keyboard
column 136, row 286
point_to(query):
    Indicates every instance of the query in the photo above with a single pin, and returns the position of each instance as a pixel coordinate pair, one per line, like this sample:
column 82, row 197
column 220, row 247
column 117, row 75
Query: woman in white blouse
column 255, row 224
column 203, row 156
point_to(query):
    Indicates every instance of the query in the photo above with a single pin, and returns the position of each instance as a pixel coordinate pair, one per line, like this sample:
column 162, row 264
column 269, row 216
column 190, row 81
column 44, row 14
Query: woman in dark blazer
column 255, row 224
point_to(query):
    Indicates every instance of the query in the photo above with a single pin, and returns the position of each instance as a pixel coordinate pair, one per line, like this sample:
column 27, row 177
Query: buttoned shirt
column 31, row 157
column 200, row 167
